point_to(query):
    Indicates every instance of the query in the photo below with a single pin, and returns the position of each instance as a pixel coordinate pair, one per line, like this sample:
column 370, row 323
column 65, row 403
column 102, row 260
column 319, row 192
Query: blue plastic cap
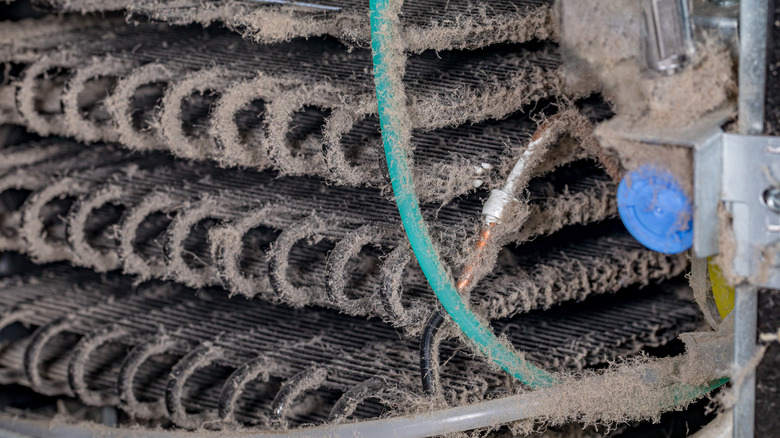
column 656, row 210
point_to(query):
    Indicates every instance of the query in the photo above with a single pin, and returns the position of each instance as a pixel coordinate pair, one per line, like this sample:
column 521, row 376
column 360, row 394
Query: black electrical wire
column 426, row 347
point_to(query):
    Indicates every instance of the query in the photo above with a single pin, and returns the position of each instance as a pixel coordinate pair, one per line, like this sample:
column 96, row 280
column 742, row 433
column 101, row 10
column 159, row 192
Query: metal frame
column 753, row 23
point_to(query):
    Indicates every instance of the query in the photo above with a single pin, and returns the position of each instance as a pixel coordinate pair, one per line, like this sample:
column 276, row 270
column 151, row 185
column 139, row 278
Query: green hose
column 393, row 119
column 685, row 393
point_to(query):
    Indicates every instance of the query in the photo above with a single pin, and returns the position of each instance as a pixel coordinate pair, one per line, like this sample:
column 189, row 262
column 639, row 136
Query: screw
column 771, row 198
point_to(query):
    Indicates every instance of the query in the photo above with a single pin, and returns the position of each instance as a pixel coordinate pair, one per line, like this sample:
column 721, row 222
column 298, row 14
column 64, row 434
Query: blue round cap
column 656, row 210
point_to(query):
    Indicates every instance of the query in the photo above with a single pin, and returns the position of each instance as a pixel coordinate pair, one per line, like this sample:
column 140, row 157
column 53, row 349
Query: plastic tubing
column 721, row 427
column 396, row 131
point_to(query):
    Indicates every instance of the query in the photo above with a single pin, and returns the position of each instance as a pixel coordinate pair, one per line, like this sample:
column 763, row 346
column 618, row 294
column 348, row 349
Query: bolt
column 771, row 198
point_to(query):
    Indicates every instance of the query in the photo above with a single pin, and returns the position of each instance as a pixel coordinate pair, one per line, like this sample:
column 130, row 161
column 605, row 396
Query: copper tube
column 544, row 126
column 467, row 275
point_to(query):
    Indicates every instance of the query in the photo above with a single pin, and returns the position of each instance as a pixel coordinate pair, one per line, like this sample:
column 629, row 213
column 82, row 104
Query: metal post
column 746, row 315
column 753, row 31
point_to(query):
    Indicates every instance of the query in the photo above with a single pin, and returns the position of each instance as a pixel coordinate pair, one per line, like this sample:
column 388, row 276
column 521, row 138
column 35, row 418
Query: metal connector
column 493, row 210
column 669, row 39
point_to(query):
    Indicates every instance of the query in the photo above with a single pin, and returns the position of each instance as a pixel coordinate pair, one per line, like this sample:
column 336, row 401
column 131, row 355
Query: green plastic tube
column 393, row 121
column 684, row 393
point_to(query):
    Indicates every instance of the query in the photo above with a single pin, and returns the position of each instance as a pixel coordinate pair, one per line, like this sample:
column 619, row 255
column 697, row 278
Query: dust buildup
column 676, row 160
column 156, row 217
column 157, row 324
column 34, row 172
column 727, row 247
column 40, row 89
column 91, row 241
column 610, row 56
column 145, row 84
column 137, row 86
column 172, row 118
column 459, row 25
column 699, row 281
column 92, row 124
column 647, row 104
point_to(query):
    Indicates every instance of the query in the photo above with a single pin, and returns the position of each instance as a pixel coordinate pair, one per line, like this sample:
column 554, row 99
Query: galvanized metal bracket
column 751, row 171
column 707, row 174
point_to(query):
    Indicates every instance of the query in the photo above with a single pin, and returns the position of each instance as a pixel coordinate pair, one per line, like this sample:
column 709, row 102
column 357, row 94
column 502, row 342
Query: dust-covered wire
column 427, row 372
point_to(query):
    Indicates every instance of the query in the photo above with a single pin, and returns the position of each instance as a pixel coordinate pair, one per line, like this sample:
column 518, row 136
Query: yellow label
column 723, row 293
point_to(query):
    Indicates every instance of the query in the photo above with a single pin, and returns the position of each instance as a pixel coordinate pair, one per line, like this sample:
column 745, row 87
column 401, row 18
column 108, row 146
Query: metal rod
column 746, row 315
column 753, row 30
column 753, row 24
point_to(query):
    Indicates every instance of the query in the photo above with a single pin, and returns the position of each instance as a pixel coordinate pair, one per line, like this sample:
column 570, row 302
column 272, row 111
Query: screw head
column 771, row 198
